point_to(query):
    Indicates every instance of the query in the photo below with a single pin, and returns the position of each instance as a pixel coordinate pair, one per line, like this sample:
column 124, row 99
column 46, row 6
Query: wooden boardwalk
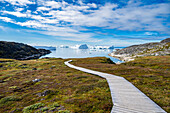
column 126, row 97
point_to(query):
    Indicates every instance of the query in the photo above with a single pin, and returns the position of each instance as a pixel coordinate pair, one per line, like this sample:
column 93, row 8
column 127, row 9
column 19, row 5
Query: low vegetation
column 47, row 85
column 150, row 74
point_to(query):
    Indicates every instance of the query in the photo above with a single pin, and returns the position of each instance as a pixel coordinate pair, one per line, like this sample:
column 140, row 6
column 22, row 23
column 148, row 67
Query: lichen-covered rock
column 149, row 49
column 166, row 40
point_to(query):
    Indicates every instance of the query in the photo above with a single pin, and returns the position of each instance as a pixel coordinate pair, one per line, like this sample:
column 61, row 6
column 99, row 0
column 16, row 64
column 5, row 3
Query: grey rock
column 1, row 81
column 148, row 49
column 34, row 68
column 52, row 67
column 44, row 93
column 36, row 80
column 166, row 40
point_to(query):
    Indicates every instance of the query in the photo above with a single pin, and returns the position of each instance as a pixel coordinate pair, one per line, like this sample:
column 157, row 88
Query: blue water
column 80, row 53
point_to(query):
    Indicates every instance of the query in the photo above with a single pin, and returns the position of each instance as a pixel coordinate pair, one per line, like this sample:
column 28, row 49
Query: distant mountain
column 149, row 49
column 84, row 46
column 45, row 47
column 20, row 51
column 63, row 46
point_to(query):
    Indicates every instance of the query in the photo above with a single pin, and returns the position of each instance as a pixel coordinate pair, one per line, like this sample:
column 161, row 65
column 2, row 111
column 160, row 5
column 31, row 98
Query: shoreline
column 122, row 57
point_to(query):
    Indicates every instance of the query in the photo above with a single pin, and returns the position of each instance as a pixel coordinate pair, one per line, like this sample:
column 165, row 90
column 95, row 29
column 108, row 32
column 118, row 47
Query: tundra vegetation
column 47, row 85
column 150, row 74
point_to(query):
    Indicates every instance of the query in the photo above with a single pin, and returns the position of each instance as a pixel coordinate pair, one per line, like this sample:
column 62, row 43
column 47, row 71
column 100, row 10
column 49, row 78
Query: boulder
column 34, row 68
column 36, row 80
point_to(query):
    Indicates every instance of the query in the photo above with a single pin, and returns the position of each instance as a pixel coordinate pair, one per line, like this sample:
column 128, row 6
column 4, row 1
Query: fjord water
column 80, row 53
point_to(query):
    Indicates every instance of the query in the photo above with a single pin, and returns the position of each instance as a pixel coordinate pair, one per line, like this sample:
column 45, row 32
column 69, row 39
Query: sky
column 93, row 22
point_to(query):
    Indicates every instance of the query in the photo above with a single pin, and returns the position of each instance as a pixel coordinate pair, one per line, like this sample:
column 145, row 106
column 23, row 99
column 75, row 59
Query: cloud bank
column 72, row 20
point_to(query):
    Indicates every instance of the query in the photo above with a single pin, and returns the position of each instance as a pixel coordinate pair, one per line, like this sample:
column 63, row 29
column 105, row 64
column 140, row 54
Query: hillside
column 20, row 51
column 148, row 49
column 48, row 86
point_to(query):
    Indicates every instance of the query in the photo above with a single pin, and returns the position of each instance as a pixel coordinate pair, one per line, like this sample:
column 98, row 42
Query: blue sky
column 94, row 22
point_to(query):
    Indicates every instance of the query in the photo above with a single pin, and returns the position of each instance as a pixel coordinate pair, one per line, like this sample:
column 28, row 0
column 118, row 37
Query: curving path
column 125, row 96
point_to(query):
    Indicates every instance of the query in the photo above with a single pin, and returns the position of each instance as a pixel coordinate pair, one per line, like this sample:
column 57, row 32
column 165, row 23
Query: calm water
column 80, row 53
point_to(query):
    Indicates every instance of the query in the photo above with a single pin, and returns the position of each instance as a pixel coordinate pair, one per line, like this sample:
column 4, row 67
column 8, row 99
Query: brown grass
column 150, row 74
column 73, row 90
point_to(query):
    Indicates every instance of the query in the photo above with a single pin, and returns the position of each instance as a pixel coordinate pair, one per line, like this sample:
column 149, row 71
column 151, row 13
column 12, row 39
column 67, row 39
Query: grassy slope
column 70, row 89
column 150, row 74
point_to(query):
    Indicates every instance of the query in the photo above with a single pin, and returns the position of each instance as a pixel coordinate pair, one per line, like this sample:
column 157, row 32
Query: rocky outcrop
column 166, row 40
column 20, row 51
column 148, row 49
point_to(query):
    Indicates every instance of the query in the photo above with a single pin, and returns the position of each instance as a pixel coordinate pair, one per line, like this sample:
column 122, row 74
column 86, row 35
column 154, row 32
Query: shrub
column 44, row 109
column 29, row 109
column 54, row 105
column 9, row 98
column 13, row 87
column 63, row 111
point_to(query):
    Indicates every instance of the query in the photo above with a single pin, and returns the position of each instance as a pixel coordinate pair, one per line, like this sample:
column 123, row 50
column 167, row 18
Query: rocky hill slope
column 20, row 51
column 149, row 49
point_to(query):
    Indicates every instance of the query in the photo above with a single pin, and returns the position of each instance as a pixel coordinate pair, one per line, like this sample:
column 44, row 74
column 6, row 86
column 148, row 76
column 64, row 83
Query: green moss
column 13, row 87
column 63, row 111
column 30, row 108
column 9, row 98
column 44, row 109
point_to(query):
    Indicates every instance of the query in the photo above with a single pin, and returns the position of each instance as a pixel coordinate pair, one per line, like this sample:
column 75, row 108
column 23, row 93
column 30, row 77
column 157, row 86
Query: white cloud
column 80, row 2
column 6, row 19
column 140, row 17
column 19, row 9
column 68, row 34
column 75, row 8
column 133, row 17
column 43, row 8
column 19, row 2
column 18, row 14
column 52, row 4
column 32, row 24
column 150, row 33
column 92, row 5
column 2, row 28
